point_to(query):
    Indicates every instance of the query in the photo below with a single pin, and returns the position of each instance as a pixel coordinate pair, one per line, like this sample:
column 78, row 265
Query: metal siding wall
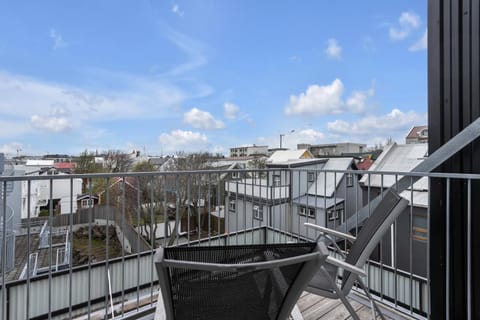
column 60, row 287
column 454, row 88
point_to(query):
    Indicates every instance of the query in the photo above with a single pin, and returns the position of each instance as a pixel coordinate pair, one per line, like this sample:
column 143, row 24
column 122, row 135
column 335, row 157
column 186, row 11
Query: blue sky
column 164, row 76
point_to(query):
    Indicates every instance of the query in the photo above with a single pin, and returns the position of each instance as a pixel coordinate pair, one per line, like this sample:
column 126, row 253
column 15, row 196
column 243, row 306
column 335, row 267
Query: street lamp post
column 282, row 135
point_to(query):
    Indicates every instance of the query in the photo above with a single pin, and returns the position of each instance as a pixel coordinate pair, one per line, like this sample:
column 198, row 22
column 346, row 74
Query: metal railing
column 141, row 211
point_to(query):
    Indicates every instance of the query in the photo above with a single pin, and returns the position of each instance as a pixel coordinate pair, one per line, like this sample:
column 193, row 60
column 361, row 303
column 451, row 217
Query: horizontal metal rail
column 142, row 211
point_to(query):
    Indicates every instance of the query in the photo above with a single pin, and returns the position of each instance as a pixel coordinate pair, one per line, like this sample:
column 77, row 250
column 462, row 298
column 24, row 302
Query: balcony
column 100, row 259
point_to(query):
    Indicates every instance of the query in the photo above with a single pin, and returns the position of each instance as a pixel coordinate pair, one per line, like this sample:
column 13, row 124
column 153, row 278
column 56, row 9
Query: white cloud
column 393, row 124
column 58, row 41
column 323, row 100
column 192, row 48
column 11, row 148
column 292, row 139
column 202, row 120
column 53, row 124
column 407, row 22
column 179, row 140
column 317, row 100
column 421, row 43
column 309, row 136
column 23, row 97
column 333, row 50
column 231, row 110
column 177, row 11
column 409, row 19
column 356, row 103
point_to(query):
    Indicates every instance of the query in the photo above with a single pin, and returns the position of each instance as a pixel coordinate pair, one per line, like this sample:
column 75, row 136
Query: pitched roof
column 415, row 132
column 397, row 158
column 327, row 182
column 64, row 165
column 289, row 155
column 364, row 163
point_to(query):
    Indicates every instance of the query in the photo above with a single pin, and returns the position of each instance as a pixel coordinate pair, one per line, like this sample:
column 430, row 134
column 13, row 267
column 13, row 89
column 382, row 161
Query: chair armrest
column 240, row 267
column 346, row 266
column 330, row 231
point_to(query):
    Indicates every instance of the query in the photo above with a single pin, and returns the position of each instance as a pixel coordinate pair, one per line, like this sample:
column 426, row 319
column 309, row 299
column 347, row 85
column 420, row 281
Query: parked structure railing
column 211, row 208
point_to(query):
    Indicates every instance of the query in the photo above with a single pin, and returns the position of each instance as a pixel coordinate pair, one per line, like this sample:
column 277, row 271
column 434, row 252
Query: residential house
column 333, row 195
column 247, row 151
column 292, row 191
column 333, row 149
column 411, row 226
column 364, row 163
column 161, row 163
column 85, row 201
column 289, row 155
column 252, row 200
column 418, row 134
column 41, row 192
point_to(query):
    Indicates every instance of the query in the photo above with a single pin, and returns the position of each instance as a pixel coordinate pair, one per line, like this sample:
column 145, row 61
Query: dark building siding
column 453, row 102
column 408, row 250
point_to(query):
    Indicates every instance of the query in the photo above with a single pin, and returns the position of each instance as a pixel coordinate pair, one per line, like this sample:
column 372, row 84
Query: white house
column 63, row 195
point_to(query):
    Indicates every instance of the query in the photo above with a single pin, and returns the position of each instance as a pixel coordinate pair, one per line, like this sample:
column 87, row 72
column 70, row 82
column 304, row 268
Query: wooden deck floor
column 313, row 307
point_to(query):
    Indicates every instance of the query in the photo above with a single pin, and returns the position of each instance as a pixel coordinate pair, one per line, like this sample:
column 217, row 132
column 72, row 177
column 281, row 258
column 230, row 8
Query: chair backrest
column 372, row 231
column 235, row 282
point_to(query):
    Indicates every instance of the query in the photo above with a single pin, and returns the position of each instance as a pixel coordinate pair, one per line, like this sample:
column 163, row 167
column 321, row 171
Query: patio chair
column 324, row 282
column 235, row 282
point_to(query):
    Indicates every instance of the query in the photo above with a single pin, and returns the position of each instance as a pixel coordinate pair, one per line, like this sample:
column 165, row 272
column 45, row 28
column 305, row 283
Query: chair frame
column 387, row 210
column 312, row 262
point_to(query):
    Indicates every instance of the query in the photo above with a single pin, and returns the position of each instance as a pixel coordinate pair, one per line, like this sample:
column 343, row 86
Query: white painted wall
column 40, row 194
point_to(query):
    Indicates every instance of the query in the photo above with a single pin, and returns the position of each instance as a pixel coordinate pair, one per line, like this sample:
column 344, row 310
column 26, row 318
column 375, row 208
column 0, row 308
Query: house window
column 86, row 203
column 310, row 176
column 258, row 212
column 419, row 228
column 276, row 180
column 235, row 175
column 306, row 211
column 232, row 206
column 349, row 179
column 335, row 213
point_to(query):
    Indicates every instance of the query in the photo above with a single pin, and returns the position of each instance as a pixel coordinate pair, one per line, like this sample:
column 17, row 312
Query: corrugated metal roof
column 397, row 158
column 317, row 202
column 327, row 182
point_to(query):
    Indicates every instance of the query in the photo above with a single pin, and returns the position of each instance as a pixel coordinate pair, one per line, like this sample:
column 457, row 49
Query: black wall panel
column 453, row 103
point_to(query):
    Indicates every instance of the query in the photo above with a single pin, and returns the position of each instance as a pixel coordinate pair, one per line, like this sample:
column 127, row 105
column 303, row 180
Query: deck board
column 314, row 307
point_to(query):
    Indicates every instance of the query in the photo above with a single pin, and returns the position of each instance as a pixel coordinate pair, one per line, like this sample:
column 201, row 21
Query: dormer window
column 423, row 133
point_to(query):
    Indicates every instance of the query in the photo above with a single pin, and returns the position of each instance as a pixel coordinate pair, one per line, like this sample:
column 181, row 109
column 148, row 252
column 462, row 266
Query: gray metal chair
column 324, row 283
column 235, row 282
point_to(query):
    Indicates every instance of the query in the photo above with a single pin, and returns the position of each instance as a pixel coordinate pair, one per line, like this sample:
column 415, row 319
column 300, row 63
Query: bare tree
column 194, row 193
column 117, row 161
column 85, row 163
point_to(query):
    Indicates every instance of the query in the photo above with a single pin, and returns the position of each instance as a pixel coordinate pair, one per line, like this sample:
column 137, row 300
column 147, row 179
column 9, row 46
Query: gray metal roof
column 398, row 158
column 317, row 202
column 327, row 182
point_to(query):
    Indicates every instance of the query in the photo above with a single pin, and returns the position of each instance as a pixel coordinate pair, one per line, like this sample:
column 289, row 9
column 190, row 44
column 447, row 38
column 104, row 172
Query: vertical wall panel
column 453, row 100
